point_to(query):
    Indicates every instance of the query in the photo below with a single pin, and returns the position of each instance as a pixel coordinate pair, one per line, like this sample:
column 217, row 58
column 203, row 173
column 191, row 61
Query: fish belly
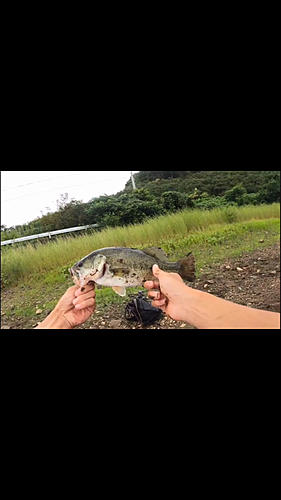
column 118, row 281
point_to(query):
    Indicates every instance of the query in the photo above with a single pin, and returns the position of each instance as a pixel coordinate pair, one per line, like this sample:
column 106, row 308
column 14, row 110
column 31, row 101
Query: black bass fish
column 123, row 267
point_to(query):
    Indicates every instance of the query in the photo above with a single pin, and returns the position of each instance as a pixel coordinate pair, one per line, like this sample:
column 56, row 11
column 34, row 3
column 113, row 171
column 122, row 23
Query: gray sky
column 24, row 194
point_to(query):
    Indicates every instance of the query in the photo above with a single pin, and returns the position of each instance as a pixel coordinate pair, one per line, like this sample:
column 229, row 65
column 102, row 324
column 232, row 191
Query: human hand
column 77, row 304
column 203, row 310
column 73, row 309
column 169, row 293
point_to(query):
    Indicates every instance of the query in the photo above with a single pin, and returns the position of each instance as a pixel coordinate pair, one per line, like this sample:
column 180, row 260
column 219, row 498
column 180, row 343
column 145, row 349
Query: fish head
column 88, row 269
column 75, row 275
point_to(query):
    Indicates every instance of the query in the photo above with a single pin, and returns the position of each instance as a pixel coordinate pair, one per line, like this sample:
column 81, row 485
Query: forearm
column 205, row 311
column 54, row 320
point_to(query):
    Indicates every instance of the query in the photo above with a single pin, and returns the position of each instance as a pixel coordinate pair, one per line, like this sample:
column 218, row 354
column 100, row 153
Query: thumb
column 156, row 271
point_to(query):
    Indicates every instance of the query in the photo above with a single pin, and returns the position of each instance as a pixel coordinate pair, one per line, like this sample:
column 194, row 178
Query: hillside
column 213, row 182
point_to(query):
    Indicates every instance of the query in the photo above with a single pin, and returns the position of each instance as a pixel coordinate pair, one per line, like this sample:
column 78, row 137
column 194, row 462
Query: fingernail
column 155, row 268
column 78, row 306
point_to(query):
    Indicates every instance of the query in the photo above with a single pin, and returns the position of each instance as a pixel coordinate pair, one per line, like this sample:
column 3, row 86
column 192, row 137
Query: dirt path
column 252, row 280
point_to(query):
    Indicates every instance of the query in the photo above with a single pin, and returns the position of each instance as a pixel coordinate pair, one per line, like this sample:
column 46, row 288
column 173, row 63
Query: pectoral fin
column 121, row 290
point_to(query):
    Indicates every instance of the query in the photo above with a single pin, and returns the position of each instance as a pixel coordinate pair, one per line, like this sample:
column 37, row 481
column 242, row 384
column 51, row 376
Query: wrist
column 193, row 309
column 55, row 320
column 201, row 308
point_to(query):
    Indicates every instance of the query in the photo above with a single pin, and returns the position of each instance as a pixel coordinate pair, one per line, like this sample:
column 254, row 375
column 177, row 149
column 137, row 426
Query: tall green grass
column 174, row 232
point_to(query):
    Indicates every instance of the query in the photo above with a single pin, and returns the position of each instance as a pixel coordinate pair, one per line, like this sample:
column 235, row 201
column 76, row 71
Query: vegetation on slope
column 158, row 193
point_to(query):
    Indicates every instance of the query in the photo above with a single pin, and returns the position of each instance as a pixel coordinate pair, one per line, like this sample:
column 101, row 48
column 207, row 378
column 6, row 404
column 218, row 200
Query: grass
column 177, row 233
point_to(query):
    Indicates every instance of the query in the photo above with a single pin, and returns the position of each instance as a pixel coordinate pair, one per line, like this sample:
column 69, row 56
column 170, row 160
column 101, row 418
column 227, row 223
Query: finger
column 86, row 303
column 85, row 289
column 151, row 285
column 84, row 296
column 156, row 270
column 156, row 295
column 161, row 304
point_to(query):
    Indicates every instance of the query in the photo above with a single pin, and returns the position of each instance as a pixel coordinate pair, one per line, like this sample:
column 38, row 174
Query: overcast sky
column 24, row 194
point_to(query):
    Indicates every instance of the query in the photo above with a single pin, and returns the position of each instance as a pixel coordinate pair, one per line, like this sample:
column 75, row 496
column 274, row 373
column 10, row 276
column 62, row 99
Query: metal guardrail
column 49, row 234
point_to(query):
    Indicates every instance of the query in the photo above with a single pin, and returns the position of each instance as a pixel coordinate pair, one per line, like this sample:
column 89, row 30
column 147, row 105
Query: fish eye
column 80, row 264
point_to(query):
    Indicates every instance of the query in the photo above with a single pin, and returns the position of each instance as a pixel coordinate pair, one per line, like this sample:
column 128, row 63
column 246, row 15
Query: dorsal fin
column 156, row 252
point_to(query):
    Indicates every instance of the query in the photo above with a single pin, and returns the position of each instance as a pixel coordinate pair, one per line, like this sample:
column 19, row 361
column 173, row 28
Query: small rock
column 103, row 323
column 201, row 270
column 261, row 241
column 5, row 327
column 211, row 282
column 273, row 272
column 182, row 325
column 239, row 269
column 2, row 314
column 206, row 285
column 114, row 323
column 39, row 311
column 258, row 270
column 227, row 267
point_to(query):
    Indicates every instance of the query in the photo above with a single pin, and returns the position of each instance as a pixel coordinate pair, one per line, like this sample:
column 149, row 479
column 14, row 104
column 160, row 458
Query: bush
column 174, row 200
column 236, row 194
column 230, row 214
column 211, row 202
column 271, row 192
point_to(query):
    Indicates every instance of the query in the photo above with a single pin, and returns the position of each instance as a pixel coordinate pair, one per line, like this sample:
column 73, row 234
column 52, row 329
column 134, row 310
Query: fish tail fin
column 187, row 267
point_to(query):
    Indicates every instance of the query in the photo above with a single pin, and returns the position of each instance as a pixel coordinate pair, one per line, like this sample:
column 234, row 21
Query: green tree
column 236, row 194
column 270, row 193
column 173, row 200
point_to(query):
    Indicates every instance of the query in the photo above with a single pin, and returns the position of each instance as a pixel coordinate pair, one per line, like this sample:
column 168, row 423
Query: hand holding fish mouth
column 73, row 309
column 77, row 304
column 167, row 293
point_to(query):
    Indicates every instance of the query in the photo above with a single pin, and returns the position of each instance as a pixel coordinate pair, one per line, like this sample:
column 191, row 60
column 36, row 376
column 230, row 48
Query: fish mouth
column 74, row 275
column 82, row 281
column 103, row 270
